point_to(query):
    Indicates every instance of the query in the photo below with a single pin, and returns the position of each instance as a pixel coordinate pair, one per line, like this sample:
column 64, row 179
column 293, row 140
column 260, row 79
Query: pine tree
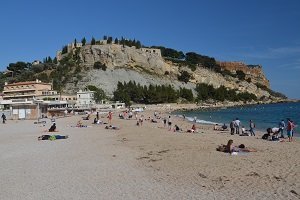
column 116, row 41
column 83, row 41
column 93, row 41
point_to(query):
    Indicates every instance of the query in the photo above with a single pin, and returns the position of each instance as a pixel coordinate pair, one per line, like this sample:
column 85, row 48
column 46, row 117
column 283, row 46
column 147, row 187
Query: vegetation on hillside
column 152, row 94
column 271, row 92
column 205, row 92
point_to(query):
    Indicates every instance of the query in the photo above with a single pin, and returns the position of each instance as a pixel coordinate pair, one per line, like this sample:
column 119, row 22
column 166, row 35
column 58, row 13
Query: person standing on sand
column 237, row 124
column 97, row 115
column 281, row 127
column 251, row 126
column 289, row 129
column 232, row 127
column 3, row 118
column 109, row 117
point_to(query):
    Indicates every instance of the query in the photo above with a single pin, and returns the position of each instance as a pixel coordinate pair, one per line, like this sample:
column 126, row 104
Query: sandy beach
column 141, row 162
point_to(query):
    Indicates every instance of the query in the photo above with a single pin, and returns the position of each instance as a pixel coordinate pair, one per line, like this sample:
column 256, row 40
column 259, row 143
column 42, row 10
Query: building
column 26, row 90
column 85, row 99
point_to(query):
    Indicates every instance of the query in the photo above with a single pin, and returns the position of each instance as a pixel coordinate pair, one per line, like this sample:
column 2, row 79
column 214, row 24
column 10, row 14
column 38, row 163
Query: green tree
column 99, row 93
column 83, row 41
column 116, row 41
column 109, row 40
column 64, row 49
column 184, row 76
column 93, row 41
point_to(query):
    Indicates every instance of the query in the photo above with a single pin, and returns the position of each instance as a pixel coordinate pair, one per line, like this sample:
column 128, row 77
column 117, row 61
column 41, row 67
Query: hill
column 104, row 63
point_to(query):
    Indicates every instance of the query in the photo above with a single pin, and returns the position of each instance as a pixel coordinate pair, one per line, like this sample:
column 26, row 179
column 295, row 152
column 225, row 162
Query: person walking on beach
column 109, row 117
column 3, row 118
column 289, row 129
column 232, row 127
column 281, row 128
column 251, row 126
column 169, row 123
column 237, row 124
column 165, row 122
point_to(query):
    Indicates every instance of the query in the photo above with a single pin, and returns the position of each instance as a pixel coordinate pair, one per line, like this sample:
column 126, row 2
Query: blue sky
column 265, row 32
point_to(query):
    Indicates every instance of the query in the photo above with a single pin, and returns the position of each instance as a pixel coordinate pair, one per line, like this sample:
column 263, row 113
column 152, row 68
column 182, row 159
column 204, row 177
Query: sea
column 264, row 115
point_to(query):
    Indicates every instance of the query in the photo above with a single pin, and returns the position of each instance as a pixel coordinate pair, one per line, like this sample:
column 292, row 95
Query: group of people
column 278, row 132
column 235, row 125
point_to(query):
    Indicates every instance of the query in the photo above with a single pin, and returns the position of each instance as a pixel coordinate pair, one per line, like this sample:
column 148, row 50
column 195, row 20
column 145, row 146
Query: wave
column 199, row 121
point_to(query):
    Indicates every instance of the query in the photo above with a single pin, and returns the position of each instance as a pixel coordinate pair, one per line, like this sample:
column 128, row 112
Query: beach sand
column 141, row 162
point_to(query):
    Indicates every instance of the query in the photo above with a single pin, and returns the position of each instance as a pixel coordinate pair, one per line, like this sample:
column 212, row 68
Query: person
column 195, row 119
column 272, row 134
column 52, row 137
column 237, row 124
column 112, row 127
column 192, row 130
column 169, row 123
column 165, row 122
column 176, row 128
column 281, row 127
column 224, row 127
column 52, row 128
column 3, row 118
column 97, row 121
column 97, row 115
column 232, row 127
column 251, row 126
column 289, row 129
column 218, row 128
column 141, row 120
column 109, row 117
column 230, row 148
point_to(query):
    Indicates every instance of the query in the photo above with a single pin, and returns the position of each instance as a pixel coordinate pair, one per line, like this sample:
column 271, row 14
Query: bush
column 184, row 76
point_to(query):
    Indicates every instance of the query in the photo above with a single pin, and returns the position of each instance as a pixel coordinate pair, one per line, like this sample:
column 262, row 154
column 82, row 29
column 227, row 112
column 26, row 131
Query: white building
column 85, row 99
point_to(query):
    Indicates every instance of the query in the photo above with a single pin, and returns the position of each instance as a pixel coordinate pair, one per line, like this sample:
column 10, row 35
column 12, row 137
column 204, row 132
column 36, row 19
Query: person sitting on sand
column 52, row 137
column 176, row 128
column 52, row 128
column 244, row 132
column 192, row 130
column 230, row 148
column 224, row 127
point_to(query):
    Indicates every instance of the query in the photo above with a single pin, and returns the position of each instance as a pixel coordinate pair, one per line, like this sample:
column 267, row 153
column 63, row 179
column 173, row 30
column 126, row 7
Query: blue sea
column 263, row 115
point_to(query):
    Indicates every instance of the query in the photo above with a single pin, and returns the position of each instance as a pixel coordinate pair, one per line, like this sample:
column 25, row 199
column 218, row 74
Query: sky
column 265, row 32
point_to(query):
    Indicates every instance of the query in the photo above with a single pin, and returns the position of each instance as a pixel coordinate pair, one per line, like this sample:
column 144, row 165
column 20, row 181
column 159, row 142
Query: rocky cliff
column 146, row 66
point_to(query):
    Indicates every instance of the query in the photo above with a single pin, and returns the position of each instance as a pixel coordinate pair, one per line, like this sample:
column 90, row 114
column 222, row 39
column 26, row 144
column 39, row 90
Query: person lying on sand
column 218, row 128
column 80, row 125
column 52, row 128
column 230, row 148
column 112, row 127
column 52, row 137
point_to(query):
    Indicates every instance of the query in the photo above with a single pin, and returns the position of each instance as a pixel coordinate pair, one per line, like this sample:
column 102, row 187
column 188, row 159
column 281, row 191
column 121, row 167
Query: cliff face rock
column 254, row 72
column 146, row 66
